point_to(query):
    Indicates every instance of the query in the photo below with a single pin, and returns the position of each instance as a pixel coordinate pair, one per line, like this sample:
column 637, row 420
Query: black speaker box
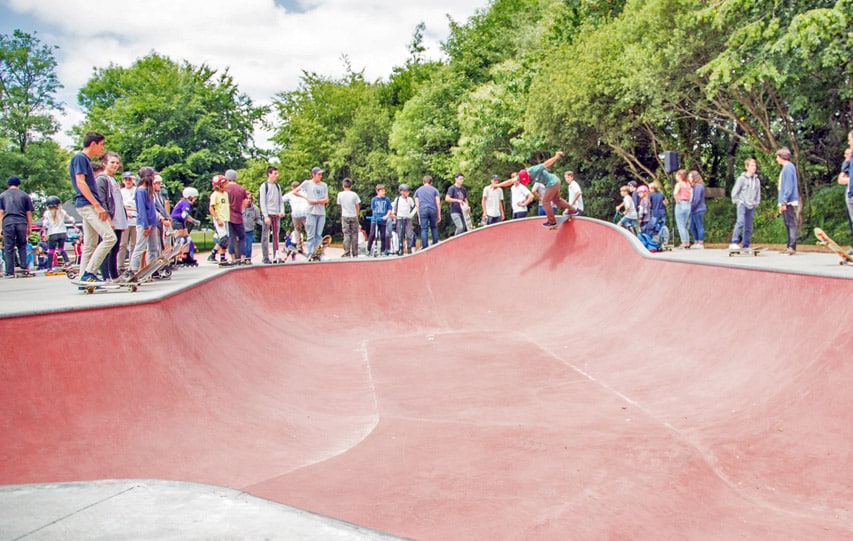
column 670, row 161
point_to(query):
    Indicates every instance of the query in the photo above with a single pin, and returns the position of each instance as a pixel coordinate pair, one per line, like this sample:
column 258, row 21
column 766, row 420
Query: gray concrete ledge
column 154, row 509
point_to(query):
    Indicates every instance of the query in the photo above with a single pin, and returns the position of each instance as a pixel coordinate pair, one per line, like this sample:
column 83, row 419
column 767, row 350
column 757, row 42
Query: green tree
column 782, row 78
column 43, row 169
column 28, row 85
column 341, row 125
column 186, row 121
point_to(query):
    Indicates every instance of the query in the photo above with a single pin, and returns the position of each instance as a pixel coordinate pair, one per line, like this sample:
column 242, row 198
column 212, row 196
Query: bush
column 203, row 239
column 828, row 212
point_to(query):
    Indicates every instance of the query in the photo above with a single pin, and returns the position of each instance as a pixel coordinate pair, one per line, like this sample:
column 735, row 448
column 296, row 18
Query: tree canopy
column 186, row 121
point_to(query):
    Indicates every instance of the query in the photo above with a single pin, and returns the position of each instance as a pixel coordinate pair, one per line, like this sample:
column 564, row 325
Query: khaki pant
column 125, row 249
column 94, row 252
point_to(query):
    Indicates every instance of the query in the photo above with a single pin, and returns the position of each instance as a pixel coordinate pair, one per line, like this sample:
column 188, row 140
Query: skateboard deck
column 91, row 287
column 560, row 221
column 754, row 251
column 320, row 248
column 466, row 216
column 157, row 264
column 824, row 239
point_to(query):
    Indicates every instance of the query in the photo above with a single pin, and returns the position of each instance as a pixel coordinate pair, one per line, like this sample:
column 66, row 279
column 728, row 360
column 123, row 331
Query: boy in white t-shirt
column 575, row 197
column 350, row 204
column 493, row 197
column 520, row 197
column 403, row 209
column 629, row 220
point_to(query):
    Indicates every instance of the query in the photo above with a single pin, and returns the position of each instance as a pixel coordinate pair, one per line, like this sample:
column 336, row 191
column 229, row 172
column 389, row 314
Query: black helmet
column 52, row 201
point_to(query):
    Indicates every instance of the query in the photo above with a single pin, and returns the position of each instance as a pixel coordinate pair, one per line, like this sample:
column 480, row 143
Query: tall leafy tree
column 186, row 121
column 341, row 125
column 28, row 86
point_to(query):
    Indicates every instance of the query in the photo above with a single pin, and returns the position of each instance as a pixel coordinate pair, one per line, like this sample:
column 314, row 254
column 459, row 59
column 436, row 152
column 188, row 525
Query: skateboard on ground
column 824, row 239
column 143, row 275
column 466, row 215
column 560, row 221
column 91, row 287
column 750, row 250
column 320, row 248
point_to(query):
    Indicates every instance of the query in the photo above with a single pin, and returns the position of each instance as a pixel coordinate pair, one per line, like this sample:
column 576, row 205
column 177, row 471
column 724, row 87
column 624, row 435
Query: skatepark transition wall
column 510, row 383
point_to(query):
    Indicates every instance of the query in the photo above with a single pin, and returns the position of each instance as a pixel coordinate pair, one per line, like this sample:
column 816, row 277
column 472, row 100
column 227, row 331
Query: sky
column 265, row 44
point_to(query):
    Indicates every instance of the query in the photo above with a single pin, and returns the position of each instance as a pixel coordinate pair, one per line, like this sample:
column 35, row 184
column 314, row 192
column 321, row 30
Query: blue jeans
column 682, row 213
column 427, row 217
column 697, row 226
column 247, row 243
column 743, row 225
column 314, row 224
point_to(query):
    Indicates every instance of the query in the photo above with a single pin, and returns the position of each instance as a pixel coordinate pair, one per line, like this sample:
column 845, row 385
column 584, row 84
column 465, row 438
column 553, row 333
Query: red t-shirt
column 236, row 195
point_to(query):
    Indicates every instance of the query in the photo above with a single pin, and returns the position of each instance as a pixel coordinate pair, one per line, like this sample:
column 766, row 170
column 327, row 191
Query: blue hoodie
column 146, row 213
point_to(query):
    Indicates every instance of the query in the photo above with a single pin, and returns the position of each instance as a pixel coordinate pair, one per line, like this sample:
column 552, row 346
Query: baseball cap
column 633, row 184
column 128, row 174
column 495, row 177
column 524, row 177
column 231, row 174
column 316, row 170
column 13, row 181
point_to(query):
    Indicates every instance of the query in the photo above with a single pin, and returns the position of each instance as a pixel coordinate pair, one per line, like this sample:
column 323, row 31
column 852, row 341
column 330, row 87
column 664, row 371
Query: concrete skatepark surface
column 512, row 383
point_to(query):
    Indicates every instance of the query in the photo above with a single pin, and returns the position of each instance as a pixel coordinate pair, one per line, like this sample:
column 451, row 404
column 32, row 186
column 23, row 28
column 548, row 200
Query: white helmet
column 189, row 191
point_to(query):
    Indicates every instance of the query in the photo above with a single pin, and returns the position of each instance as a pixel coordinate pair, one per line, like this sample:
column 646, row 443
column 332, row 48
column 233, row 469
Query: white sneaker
column 697, row 246
column 734, row 246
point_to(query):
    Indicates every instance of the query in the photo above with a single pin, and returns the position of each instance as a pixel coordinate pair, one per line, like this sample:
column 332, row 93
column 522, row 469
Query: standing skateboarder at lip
column 551, row 181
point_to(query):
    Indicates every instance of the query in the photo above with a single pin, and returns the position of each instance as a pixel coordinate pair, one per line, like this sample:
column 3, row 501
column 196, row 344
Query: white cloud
column 264, row 45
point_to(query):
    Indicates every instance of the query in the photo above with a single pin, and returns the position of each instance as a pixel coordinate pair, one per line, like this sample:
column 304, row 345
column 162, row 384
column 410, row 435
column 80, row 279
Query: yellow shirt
column 219, row 202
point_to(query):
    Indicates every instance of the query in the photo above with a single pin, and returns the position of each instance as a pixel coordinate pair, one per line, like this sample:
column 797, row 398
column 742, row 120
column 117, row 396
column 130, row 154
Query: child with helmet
column 180, row 215
column 55, row 231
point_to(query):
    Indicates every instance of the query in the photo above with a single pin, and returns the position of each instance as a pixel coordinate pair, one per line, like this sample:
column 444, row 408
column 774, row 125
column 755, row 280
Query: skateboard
column 466, row 215
column 320, row 248
column 824, row 239
column 160, row 263
column 560, row 221
column 132, row 283
column 233, row 264
column 746, row 251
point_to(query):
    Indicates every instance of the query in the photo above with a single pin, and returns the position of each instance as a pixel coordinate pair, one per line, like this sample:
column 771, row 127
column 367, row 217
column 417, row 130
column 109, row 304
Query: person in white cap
column 316, row 193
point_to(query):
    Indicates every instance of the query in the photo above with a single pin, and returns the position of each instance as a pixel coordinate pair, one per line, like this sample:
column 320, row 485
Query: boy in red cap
column 551, row 181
